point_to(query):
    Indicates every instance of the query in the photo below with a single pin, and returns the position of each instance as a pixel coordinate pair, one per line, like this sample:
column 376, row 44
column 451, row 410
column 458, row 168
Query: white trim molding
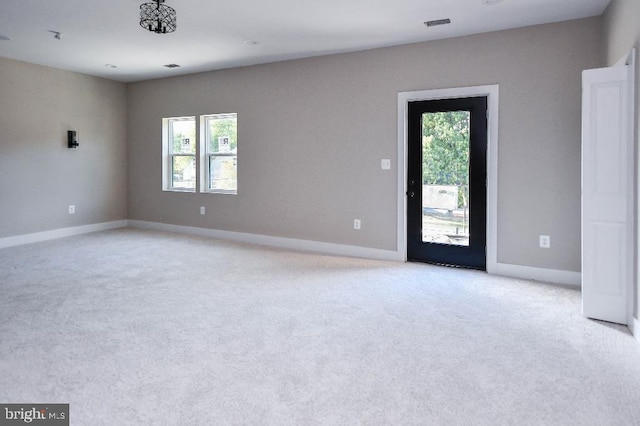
column 59, row 233
column 555, row 276
column 279, row 242
column 492, row 92
column 634, row 288
column 629, row 60
column 515, row 271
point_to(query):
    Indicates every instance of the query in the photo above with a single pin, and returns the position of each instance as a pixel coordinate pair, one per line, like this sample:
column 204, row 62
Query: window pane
column 182, row 134
column 223, row 173
column 222, row 133
column 445, row 177
column 183, row 171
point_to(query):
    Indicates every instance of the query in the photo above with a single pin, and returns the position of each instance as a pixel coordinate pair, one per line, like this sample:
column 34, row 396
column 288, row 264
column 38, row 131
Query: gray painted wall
column 311, row 134
column 622, row 33
column 39, row 175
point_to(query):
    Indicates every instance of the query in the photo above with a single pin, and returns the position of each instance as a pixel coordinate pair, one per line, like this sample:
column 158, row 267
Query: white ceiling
column 212, row 34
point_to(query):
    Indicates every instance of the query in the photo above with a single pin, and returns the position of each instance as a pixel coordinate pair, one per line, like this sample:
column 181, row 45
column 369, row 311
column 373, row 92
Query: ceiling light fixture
column 157, row 17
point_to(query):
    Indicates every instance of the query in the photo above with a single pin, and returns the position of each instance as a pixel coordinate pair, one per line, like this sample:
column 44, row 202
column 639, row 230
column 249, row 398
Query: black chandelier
column 157, row 18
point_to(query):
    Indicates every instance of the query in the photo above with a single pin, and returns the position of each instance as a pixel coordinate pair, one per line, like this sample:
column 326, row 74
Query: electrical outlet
column 385, row 163
column 72, row 209
column 202, row 210
column 356, row 224
column 545, row 241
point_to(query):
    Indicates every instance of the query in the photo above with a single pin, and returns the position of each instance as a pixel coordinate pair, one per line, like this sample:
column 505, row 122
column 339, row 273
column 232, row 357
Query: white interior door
column 607, row 194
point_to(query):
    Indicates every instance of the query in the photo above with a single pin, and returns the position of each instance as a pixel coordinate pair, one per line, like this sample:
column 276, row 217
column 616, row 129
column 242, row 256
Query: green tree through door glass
column 445, row 177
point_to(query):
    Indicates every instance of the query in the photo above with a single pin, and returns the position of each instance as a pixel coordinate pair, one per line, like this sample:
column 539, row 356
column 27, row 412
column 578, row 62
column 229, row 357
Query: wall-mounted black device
column 72, row 138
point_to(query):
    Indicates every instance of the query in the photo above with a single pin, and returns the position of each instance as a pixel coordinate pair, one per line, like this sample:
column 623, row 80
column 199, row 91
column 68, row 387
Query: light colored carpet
column 140, row 327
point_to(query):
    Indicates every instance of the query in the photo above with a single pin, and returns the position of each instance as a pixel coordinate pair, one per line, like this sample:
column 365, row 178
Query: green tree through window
column 445, row 151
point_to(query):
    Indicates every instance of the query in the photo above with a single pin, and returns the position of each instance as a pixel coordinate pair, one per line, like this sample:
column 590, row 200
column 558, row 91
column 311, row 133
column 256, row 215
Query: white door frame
column 633, row 323
column 630, row 60
column 492, row 94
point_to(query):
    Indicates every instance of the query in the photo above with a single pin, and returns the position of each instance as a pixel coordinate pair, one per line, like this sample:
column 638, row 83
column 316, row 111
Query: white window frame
column 206, row 155
column 168, row 155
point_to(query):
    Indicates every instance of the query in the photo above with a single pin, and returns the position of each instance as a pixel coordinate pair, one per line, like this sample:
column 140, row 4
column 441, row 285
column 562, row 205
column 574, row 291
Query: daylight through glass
column 445, row 177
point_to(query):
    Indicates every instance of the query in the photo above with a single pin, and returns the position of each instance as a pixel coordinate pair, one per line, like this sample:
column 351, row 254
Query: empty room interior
column 399, row 212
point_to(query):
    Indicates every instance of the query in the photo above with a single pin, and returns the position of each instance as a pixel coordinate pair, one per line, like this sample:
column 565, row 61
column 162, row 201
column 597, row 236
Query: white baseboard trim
column 635, row 329
column 554, row 276
column 60, row 233
column 515, row 271
column 279, row 242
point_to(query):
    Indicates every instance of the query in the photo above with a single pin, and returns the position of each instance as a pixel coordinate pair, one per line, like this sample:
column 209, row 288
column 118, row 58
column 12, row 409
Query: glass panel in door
column 445, row 177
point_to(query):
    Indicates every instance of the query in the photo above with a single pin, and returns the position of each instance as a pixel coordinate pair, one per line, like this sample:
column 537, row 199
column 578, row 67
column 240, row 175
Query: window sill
column 220, row 191
column 187, row 190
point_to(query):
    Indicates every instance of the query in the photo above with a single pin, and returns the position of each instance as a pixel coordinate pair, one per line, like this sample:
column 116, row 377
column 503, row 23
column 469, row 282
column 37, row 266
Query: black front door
column 447, row 175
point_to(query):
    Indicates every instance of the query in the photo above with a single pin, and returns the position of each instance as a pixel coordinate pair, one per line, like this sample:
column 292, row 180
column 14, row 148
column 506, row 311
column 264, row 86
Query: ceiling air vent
column 438, row 22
